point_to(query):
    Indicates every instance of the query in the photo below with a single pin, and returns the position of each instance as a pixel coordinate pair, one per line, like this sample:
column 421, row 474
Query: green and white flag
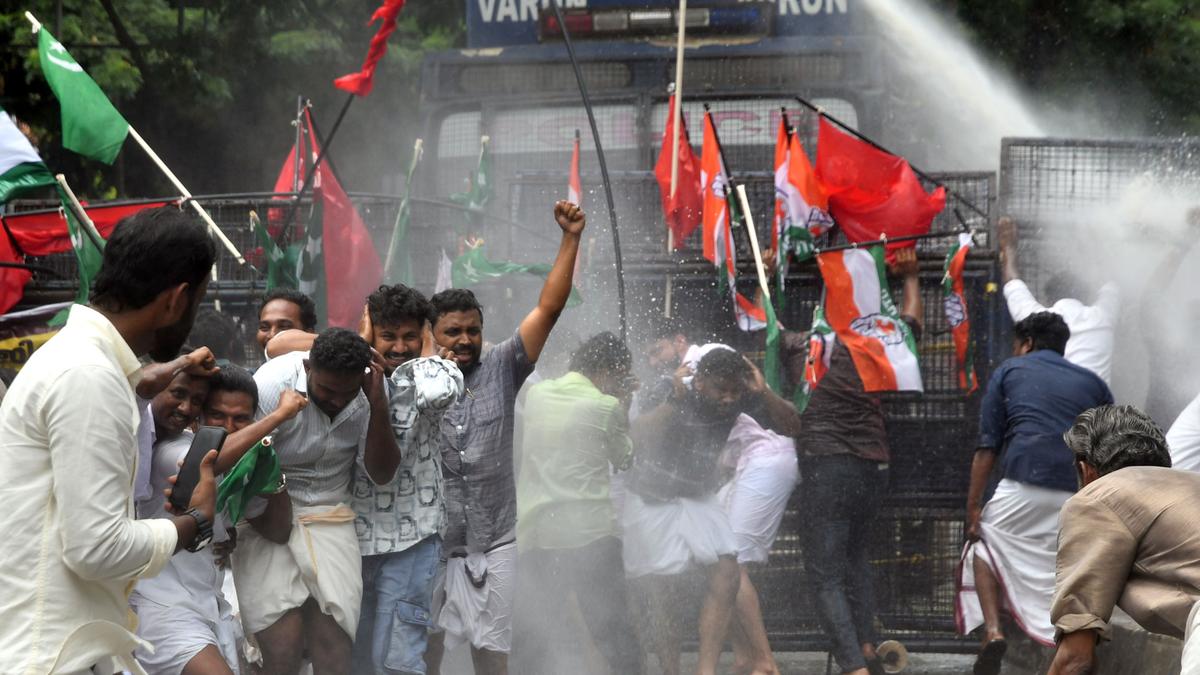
column 256, row 473
column 398, row 267
column 310, row 265
column 91, row 126
column 281, row 264
column 21, row 169
column 473, row 267
column 479, row 191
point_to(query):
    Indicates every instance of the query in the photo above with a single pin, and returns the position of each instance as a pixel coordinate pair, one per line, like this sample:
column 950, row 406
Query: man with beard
column 673, row 519
column 399, row 524
column 68, row 442
column 306, row 594
column 477, row 457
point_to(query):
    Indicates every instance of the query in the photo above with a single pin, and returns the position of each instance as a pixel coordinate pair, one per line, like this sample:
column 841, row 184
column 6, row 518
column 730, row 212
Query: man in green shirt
column 576, row 433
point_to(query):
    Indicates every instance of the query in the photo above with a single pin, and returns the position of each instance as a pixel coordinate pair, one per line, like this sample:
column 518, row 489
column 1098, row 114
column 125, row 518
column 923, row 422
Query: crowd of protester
column 408, row 518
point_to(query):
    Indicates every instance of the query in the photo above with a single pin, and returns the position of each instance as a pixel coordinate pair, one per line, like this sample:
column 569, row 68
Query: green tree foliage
column 212, row 84
column 1132, row 61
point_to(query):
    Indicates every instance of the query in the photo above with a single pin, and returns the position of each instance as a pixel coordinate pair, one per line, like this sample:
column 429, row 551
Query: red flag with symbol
column 872, row 194
column 957, row 317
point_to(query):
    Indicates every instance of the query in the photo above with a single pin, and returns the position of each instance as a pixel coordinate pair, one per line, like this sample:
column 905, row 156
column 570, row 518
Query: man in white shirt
column 306, row 593
column 1092, row 326
column 68, row 442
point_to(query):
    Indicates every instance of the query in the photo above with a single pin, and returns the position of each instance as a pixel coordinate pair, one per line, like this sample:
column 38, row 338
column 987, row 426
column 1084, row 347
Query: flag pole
column 612, row 208
column 85, row 223
column 179, row 187
column 758, row 261
column 312, row 170
column 677, row 112
column 855, row 133
column 299, row 124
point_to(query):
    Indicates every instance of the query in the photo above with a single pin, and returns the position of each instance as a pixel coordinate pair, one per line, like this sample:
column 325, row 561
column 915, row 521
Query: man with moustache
column 673, row 520
column 477, row 458
column 399, row 524
column 68, row 442
column 285, row 309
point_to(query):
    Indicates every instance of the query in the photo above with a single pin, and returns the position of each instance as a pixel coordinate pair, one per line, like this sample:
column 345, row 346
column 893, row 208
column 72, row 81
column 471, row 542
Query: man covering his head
column 286, row 602
column 1127, row 538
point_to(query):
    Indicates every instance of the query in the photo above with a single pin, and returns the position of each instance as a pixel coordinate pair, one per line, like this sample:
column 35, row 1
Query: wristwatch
column 282, row 484
column 203, row 531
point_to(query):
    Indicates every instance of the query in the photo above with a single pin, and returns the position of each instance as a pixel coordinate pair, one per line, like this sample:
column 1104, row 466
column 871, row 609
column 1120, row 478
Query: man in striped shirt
column 306, row 593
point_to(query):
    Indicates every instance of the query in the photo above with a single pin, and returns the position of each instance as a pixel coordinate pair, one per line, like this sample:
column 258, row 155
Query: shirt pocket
column 479, row 431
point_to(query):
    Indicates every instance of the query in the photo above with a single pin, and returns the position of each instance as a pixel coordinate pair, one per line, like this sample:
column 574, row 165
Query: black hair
column 1047, row 330
column 308, row 308
column 602, row 353
column 219, row 333
column 394, row 305
column 236, row 379
column 453, row 300
column 723, row 364
column 149, row 252
column 340, row 351
column 667, row 329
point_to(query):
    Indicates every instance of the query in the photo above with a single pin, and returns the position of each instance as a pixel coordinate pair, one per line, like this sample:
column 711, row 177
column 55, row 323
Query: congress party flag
column 954, row 301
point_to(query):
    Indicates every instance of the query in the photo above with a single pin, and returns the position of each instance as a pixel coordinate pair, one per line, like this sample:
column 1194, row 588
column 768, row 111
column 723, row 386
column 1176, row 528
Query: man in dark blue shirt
column 1031, row 401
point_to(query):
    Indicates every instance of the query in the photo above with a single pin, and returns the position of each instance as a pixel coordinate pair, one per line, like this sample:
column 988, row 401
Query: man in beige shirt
column 68, row 444
column 1127, row 537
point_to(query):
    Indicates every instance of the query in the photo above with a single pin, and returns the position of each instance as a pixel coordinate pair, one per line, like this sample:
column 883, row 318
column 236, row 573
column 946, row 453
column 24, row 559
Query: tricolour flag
column 821, row 339
column 860, row 310
column 872, row 194
column 779, row 224
column 718, row 245
column 574, row 183
column 805, row 204
column 91, row 126
column 682, row 211
column 957, row 317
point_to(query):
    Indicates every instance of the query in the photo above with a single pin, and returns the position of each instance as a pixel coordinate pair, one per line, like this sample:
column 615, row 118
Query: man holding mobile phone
column 68, row 441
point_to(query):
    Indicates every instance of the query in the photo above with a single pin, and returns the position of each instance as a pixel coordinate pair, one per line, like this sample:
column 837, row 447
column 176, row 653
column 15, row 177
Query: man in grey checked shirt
column 399, row 524
column 477, row 459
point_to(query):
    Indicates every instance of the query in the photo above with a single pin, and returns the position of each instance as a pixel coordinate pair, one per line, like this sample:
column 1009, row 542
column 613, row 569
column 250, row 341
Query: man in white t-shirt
column 1092, row 326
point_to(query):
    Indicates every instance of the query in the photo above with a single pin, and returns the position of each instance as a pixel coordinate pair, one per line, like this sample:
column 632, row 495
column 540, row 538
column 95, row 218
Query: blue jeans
column 397, row 596
column 840, row 499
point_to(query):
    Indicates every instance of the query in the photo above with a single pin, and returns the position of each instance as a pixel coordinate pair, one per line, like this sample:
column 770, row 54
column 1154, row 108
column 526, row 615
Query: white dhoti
column 477, row 599
column 1018, row 542
column 755, row 499
column 674, row 536
column 320, row 561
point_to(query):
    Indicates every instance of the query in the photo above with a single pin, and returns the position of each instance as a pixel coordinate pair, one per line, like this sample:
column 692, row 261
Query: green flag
column 91, row 126
column 771, row 363
column 21, row 169
column 473, row 267
column 256, row 473
column 479, row 192
column 310, row 263
column 398, row 267
column 281, row 264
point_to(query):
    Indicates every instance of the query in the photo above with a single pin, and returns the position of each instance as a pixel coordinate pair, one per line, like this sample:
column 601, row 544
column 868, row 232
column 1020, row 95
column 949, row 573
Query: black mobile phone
column 206, row 438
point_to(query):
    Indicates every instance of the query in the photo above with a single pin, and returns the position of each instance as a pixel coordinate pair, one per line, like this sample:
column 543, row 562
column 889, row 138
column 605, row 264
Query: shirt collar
column 87, row 319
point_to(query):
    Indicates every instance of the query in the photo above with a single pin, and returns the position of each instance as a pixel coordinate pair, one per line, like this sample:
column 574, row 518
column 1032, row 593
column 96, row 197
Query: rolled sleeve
column 993, row 415
column 1020, row 300
column 1095, row 555
column 438, row 384
column 93, row 446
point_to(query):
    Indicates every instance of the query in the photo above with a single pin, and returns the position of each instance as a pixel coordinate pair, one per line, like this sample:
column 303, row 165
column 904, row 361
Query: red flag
column 42, row 233
column 682, row 212
column 574, row 184
column 352, row 267
column 872, row 193
column 360, row 83
column 12, row 279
